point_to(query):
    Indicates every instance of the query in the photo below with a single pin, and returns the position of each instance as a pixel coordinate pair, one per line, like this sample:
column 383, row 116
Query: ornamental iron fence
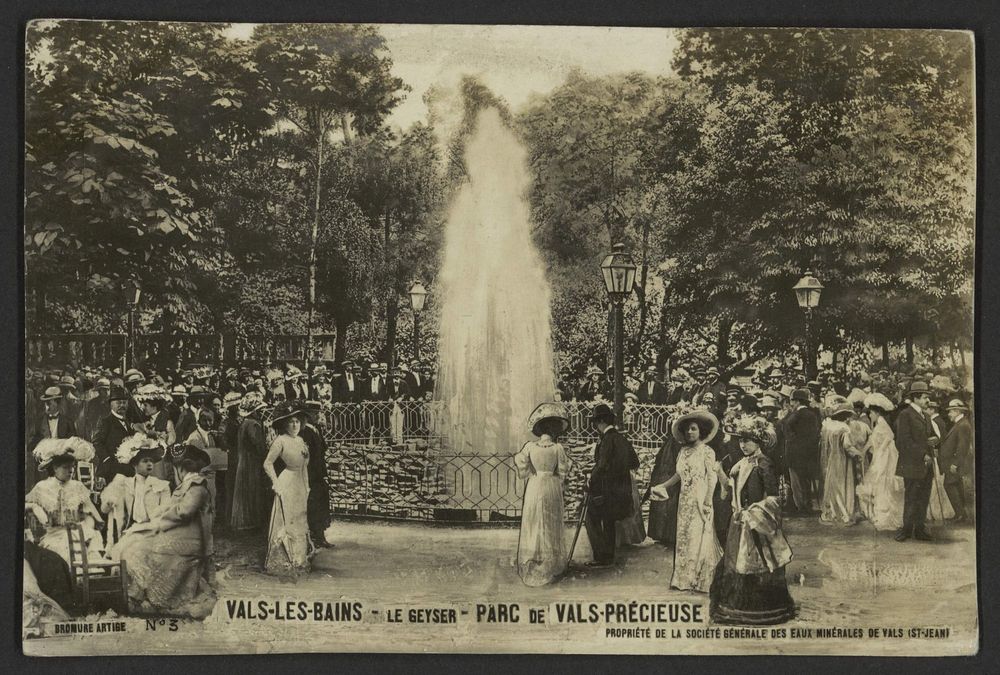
column 390, row 459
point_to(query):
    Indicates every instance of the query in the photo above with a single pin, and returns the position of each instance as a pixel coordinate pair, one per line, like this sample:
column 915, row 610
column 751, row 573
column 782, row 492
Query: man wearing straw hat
column 916, row 461
column 957, row 458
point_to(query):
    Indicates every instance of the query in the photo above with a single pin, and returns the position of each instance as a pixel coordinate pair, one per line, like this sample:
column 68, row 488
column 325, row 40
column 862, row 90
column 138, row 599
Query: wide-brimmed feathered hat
column 284, row 411
column 251, row 403
column 151, row 393
column 74, row 448
column 139, row 446
column 707, row 423
column 548, row 411
column 756, row 428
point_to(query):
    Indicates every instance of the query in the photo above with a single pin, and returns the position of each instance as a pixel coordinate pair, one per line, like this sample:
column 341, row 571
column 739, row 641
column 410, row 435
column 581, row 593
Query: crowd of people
column 146, row 467
column 887, row 448
column 147, row 464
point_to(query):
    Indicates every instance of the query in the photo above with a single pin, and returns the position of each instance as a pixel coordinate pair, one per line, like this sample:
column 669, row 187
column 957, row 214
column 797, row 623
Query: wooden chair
column 98, row 580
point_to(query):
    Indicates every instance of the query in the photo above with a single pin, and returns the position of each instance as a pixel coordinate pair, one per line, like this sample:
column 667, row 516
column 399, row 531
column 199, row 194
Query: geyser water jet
column 495, row 339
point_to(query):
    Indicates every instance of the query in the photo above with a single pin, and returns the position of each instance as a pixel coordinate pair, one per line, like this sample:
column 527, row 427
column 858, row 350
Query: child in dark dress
column 749, row 586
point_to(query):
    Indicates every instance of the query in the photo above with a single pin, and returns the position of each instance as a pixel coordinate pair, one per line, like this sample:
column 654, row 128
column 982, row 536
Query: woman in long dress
column 169, row 558
column 60, row 500
column 541, row 550
column 749, row 585
column 697, row 550
column 288, row 543
column 881, row 492
column 838, row 452
column 135, row 499
column 663, row 512
column 248, row 487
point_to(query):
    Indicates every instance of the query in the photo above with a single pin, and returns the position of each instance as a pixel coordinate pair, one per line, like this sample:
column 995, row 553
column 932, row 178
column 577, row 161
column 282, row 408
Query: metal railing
column 390, row 459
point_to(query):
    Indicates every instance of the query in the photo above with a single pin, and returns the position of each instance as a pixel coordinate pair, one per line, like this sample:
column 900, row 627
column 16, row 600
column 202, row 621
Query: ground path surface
column 840, row 578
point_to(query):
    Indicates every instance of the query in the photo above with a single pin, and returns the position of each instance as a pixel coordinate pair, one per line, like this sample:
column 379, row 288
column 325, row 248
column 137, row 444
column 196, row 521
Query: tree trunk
column 909, row 351
column 666, row 349
column 391, row 314
column 321, row 128
column 641, row 293
column 340, row 340
column 722, row 345
column 391, row 301
column 885, row 353
column 40, row 315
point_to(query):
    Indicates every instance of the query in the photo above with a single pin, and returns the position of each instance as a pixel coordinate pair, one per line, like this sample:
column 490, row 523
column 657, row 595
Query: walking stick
column 579, row 524
column 940, row 487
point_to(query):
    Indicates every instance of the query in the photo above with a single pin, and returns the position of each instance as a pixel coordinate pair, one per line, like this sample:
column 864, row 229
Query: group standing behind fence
column 247, row 448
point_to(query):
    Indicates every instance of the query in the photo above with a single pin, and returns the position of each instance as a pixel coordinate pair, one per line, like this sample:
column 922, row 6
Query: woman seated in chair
column 60, row 500
column 169, row 558
column 132, row 500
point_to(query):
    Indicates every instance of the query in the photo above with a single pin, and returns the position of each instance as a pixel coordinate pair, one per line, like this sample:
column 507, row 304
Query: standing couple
column 542, row 555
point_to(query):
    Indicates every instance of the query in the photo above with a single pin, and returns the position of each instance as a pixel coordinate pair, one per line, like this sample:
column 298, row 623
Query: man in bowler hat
column 915, row 442
column 610, row 486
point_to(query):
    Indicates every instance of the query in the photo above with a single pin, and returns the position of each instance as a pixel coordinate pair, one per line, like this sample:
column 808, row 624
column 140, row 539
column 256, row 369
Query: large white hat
column 545, row 411
column 49, row 449
column 880, row 401
column 705, row 420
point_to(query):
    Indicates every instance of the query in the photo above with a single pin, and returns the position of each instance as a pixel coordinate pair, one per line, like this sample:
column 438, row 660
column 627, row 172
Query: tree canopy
column 201, row 166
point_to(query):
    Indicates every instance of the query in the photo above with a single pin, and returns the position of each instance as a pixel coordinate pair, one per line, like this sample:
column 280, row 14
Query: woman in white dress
column 131, row 500
column 60, row 500
column 697, row 550
column 837, row 448
column 288, row 544
column 541, row 550
column 881, row 491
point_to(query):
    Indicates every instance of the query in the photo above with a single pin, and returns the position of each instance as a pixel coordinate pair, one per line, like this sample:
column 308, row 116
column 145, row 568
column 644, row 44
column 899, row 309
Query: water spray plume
column 495, row 339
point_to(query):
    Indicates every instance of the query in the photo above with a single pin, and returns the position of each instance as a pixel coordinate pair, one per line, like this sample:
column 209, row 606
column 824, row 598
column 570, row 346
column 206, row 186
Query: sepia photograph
column 347, row 337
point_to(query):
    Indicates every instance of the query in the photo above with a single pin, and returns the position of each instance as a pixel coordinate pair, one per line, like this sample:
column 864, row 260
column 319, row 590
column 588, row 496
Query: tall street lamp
column 132, row 294
column 619, row 278
column 807, row 293
column 417, row 296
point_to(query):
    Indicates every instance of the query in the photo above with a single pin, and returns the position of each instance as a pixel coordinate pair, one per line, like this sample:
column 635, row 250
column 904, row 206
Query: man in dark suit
column 53, row 423
column 610, row 498
column 416, row 382
column 375, row 386
column 318, row 502
column 651, row 391
column 957, row 458
column 111, row 431
column 396, row 388
column 915, row 442
column 801, row 435
column 348, row 388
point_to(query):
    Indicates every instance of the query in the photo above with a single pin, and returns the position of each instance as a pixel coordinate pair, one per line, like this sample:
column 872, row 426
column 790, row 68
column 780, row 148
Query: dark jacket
column 185, row 424
column 65, row 428
column 111, row 431
column 956, row 449
column 611, row 480
column 801, row 428
column 416, row 387
column 341, row 392
column 912, row 431
column 658, row 396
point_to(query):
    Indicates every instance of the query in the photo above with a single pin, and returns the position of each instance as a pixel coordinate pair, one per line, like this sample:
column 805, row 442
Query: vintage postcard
column 439, row 338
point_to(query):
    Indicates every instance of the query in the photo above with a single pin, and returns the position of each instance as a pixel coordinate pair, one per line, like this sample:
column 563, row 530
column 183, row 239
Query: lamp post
column 132, row 295
column 417, row 296
column 807, row 293
column 619, row 278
